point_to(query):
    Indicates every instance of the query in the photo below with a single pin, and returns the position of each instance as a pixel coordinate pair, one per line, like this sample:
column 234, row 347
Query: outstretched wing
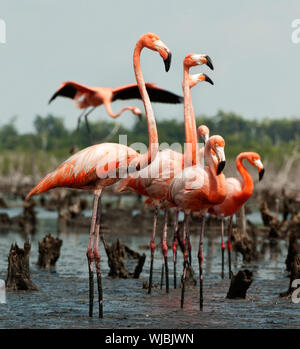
column 70, row 89
column 156, row 94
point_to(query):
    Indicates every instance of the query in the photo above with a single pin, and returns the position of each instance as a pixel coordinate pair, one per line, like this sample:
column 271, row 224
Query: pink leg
column 90, row 254
column 185, row 253
column 222, row 246
column 152, row 247
column 229, row 245
column 165, row 249
column 175, row 243
column 200, row 261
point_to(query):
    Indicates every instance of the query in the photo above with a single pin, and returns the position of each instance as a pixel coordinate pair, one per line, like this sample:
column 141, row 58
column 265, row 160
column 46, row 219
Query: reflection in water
column 63, row 301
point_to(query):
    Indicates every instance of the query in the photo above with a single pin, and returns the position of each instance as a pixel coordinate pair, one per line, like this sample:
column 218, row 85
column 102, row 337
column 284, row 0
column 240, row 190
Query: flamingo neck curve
column 148, row 157
column 246, row 177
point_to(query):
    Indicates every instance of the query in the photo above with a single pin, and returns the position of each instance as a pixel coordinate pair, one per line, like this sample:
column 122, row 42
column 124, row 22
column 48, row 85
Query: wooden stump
column 118, row 251
column 293, row 250
column 18, row 273
column 295, row 274
column 240, row 284
column 49, row 251
column 244, row 244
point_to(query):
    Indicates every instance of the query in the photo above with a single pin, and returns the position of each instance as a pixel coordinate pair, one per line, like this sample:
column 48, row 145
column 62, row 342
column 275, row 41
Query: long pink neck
column 191, row 151
column 147, row 158
column 115, row 115
column 247, row 179
column 217, row 182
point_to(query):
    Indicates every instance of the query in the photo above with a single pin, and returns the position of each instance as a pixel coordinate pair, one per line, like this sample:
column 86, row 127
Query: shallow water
column 63, row 299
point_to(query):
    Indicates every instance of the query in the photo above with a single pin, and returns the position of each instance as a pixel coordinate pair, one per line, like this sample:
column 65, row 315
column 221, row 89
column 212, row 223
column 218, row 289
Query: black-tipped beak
column 209, row 62
column 208, row 79
column 261, row 174
column 167, row 62
column 221, row 167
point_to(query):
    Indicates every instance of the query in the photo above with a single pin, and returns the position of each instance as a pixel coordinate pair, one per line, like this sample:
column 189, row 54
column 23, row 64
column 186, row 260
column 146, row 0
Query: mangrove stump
column 49, row 251
column 240, row 284
column 18, row 273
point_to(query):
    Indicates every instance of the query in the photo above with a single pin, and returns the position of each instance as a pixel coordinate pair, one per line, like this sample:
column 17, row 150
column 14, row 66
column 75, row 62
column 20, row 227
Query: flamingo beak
column 208, row 79
column 221, row 167
column 209, row 62
column 261, row 174
column 167, row 61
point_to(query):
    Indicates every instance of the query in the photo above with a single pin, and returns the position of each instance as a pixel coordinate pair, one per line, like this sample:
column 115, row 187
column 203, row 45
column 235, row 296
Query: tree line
column 274, row 139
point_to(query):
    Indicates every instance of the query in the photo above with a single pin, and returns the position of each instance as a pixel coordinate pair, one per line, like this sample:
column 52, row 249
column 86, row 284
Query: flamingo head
column 194, row 59
column 217, row 144
column 203, row 132
column 254, row 159
column 137, row 111
column 195, row 78
column 153, row 42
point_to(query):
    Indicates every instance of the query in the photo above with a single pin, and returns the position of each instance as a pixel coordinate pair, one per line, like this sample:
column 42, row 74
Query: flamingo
column 197, row 188
column 239, row 190
column 102, row 165
column 153, row 181
column 87, row 96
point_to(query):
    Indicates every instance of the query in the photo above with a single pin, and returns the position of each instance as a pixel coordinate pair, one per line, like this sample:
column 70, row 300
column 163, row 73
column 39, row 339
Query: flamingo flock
column 192, row 181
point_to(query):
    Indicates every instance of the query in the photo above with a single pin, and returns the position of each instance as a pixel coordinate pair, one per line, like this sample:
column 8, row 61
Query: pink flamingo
column 153, row 181
column 197, row 188
column 102, row 165
column 239, row 190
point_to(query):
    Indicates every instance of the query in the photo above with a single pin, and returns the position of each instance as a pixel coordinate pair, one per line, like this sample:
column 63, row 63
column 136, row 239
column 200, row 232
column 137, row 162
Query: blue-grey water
column 62, row 301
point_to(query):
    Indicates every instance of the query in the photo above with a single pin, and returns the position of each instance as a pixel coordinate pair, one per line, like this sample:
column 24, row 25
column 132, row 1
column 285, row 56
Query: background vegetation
column 26, row 153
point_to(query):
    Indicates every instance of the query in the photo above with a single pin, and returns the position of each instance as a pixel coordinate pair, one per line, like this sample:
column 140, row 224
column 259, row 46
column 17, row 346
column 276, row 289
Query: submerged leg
column 229, row 245
column 222, row 246
column 175, row 243
column 200, row 261
column 185, row 253
column 90, row 254
column 152, row 247
column 165, row 249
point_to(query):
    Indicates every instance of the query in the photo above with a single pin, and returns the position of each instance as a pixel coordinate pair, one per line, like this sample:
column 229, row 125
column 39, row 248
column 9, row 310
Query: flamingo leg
column 71, row 151
column 189, row 247
column 90, row 254
column 229, row 245
column 185, row 253
column 152, row 247
column 162, row 274
column 165, row 250
column 87, row 124
column 222, row 246
column 97, row 256
column 200, row 261
column 175, row 243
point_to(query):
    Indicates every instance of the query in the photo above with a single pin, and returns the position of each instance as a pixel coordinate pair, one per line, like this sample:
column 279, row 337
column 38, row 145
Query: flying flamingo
column 103, row 164
column 86, row 97
column 238, row 192
column 153, row 181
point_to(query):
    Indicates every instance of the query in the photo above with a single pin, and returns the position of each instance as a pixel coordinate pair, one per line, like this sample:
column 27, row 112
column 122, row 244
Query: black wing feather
column 156, row 94
column 66, row 91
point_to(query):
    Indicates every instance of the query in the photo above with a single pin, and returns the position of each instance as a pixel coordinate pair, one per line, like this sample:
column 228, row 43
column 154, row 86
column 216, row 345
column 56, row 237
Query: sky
column 257, row 66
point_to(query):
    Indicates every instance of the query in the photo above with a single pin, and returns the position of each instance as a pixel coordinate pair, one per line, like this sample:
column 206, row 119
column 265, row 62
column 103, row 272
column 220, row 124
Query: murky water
column 63, row 299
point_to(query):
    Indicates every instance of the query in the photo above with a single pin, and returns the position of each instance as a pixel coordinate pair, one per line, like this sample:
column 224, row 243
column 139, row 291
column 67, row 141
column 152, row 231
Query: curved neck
column 217, row 182
column 147, row 158
column 247, row 179
column 113, row 115
column 191, row 142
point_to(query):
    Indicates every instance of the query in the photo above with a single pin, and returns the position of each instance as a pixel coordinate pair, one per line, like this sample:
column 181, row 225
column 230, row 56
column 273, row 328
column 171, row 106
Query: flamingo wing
column 71, row 89
column 156, row 93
